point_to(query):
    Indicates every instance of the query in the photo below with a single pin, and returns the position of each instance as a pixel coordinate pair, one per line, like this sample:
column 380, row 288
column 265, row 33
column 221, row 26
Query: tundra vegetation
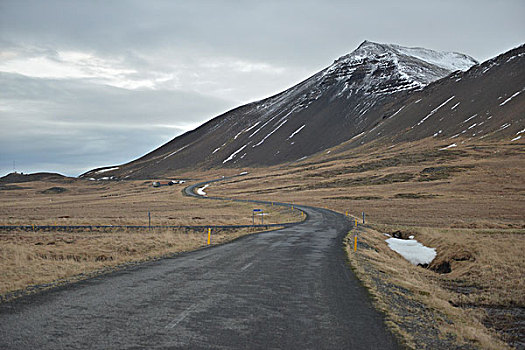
column 467, row 202
column 32, row 259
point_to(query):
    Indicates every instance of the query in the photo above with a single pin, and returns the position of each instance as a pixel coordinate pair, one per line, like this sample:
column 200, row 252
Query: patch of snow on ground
column 504, row 126
column 356, row 136
column 233, row 154
column 270, row 134
column 253, row 126
column 466, row 120
column 520, row 132
column 106, row 170
column 240, row 132
column 256, row 131
column 435, row 110
column 418, row 101
column 449, row 146
column 516, row 138
column 296, row 131
column 177, row 151
column 473, row 125
column 218, row 148
column 437, row 133
column 244, row 173
column 399, row 110
column 200, row 191
column 412, row 250
column 510, row 98
column 454, row 106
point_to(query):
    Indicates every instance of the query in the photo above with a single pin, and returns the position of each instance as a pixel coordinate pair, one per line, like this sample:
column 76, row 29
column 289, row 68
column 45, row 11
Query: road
column 285, row 289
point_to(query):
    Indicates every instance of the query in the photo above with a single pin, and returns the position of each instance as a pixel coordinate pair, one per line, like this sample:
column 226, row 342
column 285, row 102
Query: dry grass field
column 467, row 202
column 29, row 258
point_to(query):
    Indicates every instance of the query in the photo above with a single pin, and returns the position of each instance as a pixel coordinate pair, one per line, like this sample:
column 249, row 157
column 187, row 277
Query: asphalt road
column 286, row 289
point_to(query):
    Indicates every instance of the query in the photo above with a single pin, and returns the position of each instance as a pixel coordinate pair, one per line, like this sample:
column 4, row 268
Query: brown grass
column 33, row 258
column 468, row 203
column 29, row 258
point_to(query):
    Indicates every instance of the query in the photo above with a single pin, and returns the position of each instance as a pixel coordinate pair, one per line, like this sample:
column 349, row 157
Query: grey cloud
column 198, row 48
column 47, row 121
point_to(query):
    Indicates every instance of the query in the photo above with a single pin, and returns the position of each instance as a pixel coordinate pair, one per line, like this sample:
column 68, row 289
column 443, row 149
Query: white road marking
column 246, row 266
column 181, row 317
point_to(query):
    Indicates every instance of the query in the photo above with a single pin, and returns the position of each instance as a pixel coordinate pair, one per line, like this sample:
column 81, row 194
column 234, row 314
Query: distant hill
column 379, row 92
column 19, row 177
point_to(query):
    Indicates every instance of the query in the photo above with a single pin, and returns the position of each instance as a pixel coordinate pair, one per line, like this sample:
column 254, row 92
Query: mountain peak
column 415, row 65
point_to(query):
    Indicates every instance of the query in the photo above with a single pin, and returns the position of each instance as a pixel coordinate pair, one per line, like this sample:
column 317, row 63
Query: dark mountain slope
column 329, row 108
column 485, row 103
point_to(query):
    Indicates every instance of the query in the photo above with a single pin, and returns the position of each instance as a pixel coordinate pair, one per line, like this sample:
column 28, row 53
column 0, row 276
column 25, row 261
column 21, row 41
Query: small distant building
column 167, row 183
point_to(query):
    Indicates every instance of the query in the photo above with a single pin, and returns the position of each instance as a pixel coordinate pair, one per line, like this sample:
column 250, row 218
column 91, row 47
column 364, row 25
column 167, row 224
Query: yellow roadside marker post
column 209, row 236
column 355, row 236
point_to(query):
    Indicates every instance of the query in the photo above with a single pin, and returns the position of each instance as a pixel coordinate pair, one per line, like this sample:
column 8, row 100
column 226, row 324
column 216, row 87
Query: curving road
column 285, row 289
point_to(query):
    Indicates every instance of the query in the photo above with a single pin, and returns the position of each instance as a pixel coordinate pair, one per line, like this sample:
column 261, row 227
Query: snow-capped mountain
column 357, row 94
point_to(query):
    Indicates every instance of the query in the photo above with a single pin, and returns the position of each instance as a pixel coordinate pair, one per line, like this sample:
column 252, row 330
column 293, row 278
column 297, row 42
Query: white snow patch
column 466, row 120
column 418, row 101
column 244, row 173
column 296, row 131
column 200, row 191
column 399, row 110
column 415, row 252
column 504, row 126
column 437, row 133
column 473, row 125
column 240, row 132
column 516, row 138
column 106, row 170
column 454, row 136
column 520, row 132
column 435, row 110
column 510, row 98
column 356, row 136
column 233, row 154
column 256, row 131
column 270, row 134
column 177, row 151
column 454, row 106
column 449, row 146
column 218, row 148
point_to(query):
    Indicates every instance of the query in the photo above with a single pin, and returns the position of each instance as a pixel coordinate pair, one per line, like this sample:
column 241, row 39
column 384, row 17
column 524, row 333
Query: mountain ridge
column 350, row 97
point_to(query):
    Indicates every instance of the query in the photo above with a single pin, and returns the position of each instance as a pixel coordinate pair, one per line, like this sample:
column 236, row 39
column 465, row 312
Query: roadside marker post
column 209, row 235
column 149, row 220
column 363, row 218
column 253, row 215
column 355, row 236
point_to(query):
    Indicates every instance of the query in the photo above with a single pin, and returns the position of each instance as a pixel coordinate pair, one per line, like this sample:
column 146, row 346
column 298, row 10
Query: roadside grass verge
column 36, row 258
column 447, row 310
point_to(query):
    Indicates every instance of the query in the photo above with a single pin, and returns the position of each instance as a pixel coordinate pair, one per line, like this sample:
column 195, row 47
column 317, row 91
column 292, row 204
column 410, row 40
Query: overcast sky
column 85, row 84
